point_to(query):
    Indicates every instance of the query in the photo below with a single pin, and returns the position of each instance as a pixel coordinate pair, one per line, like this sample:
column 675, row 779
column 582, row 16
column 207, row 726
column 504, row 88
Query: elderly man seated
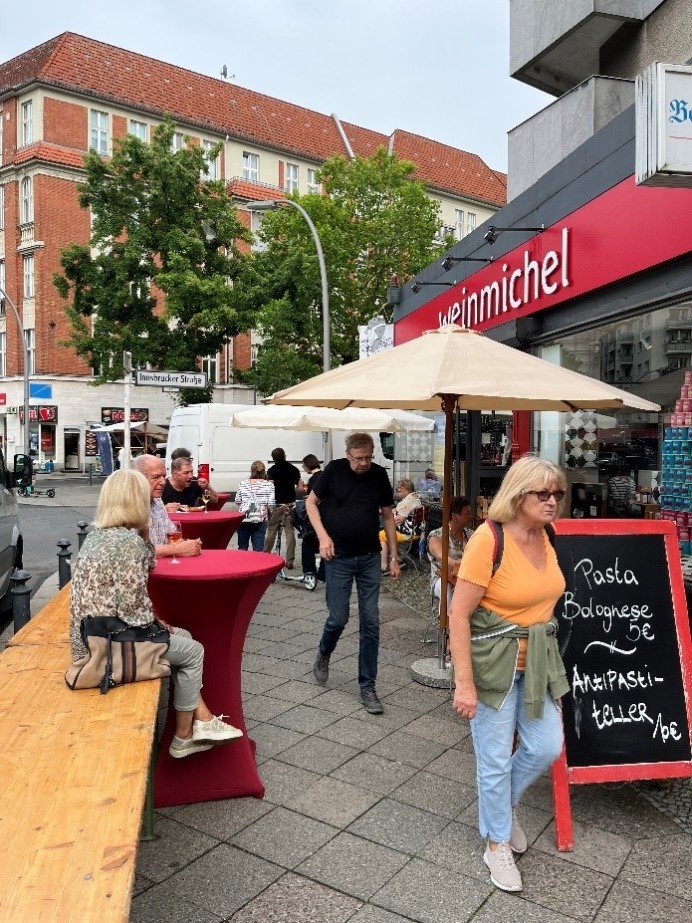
column 459, row 534
column 160, row 526
column 429, row 486
column 408, row 503
column 181, row 490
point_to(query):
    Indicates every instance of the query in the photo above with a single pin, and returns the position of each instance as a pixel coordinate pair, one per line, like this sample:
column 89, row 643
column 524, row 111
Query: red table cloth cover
column 216, row 529
column 214, row 597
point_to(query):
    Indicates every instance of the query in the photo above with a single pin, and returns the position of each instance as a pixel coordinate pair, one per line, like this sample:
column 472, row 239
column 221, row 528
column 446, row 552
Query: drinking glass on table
column 206, row 497
column 175, row 537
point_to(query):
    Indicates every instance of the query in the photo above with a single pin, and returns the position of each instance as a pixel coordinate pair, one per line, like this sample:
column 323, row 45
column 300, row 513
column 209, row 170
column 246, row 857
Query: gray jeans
column 186, row 657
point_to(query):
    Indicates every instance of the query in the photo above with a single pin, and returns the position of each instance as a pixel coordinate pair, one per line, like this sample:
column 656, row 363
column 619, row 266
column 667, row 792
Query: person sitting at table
column 110, row 579
column 160, row 524
column 403, row 519
column 429, row 485
column 181, row 489
column 254, row 498
column 460, row 532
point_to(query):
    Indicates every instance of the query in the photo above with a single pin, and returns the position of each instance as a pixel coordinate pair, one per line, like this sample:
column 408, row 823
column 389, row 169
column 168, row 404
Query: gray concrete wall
column 541, row 142
column 666, row 36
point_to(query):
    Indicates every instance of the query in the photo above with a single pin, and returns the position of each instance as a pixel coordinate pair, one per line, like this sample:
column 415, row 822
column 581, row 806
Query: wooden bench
column 73, row 780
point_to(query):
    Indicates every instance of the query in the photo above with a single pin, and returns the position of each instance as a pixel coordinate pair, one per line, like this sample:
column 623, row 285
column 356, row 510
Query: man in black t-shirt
column 285, row 477
column 344, row 507
column 181, row 490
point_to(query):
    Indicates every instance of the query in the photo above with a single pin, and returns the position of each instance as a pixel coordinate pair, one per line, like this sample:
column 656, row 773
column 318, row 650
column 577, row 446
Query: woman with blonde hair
column 509, row 675
column 408, row 503
column 254, row 498
column 110, row 579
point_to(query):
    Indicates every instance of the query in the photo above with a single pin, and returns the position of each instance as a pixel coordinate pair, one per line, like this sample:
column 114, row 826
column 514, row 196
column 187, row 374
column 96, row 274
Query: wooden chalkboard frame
column 564, row 775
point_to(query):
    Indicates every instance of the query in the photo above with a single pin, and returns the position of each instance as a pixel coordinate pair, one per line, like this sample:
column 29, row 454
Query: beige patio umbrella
column 318, row 419
column 455, row 367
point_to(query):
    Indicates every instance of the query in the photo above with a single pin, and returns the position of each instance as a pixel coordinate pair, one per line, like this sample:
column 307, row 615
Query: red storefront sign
column 45, row 413
column 624, row 231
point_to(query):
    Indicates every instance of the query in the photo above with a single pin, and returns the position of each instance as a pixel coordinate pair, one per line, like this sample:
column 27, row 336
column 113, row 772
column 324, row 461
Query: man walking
column 285, row 477
column 345, row 508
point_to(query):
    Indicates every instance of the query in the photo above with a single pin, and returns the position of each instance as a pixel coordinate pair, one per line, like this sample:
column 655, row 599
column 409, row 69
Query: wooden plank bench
column 74, row 768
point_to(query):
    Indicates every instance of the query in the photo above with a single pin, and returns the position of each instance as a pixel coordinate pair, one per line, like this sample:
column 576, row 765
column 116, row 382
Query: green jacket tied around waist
column 494, row 652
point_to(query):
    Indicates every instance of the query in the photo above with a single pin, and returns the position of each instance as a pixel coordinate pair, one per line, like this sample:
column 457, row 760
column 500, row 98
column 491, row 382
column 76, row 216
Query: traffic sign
column 171, row 379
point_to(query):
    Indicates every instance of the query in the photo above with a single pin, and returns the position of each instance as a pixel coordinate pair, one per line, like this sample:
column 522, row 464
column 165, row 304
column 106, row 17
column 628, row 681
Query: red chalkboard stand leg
column 564, row 834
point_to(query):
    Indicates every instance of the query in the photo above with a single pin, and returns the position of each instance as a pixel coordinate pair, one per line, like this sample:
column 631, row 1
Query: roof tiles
column 89, row 67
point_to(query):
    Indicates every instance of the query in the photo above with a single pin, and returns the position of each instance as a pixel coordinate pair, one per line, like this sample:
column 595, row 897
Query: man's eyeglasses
column 544, row 495
column 360, row 459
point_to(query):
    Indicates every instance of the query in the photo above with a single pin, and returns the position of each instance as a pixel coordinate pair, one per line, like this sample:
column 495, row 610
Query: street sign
column 171, row 379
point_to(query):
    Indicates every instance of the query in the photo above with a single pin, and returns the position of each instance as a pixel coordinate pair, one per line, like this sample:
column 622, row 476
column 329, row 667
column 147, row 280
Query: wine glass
column 175, row 537
column 206, row 497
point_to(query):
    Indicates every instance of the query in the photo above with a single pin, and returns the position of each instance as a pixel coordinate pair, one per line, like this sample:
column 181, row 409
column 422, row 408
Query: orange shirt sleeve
column 477, row 562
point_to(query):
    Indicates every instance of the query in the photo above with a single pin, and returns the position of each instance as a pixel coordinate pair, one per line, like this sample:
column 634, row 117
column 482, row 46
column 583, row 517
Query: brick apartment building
column 74, row 93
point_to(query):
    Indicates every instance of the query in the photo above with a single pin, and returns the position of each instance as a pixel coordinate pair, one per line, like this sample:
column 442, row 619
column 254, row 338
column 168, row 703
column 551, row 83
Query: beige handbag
column 119, row 653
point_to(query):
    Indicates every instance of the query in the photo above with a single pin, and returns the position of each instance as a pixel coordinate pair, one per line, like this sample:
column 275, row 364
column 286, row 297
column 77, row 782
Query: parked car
column 11, row 541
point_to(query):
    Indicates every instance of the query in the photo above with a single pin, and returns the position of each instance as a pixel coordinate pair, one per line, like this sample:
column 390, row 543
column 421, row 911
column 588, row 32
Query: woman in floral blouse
column 110, row 579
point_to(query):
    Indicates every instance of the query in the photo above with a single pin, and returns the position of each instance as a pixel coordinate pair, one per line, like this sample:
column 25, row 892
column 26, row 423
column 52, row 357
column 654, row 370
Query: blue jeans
column 254, row 531
column 503, row 776
column 341, row 572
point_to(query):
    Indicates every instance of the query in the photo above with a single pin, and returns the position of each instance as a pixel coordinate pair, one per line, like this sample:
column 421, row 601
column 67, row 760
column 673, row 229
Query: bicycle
column 309, row 581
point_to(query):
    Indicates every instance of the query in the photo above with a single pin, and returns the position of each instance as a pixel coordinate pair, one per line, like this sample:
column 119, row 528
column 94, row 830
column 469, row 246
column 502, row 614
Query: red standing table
column 220, row 503
column 216, row 529
column 214, row 597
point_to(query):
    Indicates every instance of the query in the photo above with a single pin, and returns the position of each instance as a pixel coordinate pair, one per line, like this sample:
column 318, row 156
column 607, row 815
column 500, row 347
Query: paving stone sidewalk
column 371, row 819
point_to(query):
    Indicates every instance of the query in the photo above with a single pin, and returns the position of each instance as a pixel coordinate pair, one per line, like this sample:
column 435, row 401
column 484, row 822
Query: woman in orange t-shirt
column 493, row 619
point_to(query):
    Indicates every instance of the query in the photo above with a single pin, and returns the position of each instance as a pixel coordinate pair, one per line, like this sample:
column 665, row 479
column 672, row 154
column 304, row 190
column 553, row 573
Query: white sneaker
column 517, row 838
column 503, row 872
column 214, row 731
column 180, row 748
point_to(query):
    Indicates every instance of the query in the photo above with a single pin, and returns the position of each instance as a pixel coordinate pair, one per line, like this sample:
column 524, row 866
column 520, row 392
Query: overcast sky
column 439, row 68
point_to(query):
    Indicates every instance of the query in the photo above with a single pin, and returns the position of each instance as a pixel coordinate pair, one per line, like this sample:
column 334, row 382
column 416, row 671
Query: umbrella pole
column 433, row 671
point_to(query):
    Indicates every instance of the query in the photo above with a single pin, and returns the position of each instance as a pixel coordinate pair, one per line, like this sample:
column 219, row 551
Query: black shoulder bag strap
column 499, row 536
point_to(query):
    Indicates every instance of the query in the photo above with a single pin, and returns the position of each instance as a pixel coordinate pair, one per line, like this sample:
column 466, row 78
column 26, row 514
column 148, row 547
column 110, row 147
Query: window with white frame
column 210, row 365
column 2, row 119
column 26, row 204
column 99, row 122
column 28, row 273
column 251, row 167
column 3, row 354
column 30, row 337
column 27, row 123
column 213, row 167
column 2, row 284
column 177, row 141
column 291, row 177
column 139, row 129
column 255, row 226
column 458, row 223
column 2, row 208
column 313, row 184
column 470, row 222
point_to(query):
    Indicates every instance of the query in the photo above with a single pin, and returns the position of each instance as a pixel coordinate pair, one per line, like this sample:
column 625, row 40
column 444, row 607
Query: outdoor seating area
column 74, row 770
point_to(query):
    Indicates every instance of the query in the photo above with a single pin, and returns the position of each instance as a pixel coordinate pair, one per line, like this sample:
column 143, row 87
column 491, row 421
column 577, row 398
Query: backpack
column 300, row 520
column 499, row 536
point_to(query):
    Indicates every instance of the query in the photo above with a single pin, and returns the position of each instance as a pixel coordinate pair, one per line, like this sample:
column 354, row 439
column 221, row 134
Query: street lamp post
column 273, row 204
column 25, row 351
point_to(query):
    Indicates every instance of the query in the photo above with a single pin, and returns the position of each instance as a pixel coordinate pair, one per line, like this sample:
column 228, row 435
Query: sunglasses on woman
column 544, row 495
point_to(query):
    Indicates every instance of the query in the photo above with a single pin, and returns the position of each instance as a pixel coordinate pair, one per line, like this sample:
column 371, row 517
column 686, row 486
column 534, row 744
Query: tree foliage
column 157, row 278
column 373, row 220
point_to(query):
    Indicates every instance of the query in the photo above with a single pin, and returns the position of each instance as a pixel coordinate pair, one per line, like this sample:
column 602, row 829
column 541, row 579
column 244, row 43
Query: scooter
column 28, row 490
column 309, row 581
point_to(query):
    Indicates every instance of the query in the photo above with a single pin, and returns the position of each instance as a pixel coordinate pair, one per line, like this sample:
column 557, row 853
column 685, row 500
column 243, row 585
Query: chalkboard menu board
column 624, row 637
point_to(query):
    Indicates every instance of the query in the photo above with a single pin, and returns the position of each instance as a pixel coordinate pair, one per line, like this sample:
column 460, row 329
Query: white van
column 224, row 453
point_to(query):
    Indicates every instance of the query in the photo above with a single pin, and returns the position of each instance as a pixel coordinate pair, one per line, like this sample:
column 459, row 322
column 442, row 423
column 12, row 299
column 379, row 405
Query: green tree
column 373, row 220
column 157, row 278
